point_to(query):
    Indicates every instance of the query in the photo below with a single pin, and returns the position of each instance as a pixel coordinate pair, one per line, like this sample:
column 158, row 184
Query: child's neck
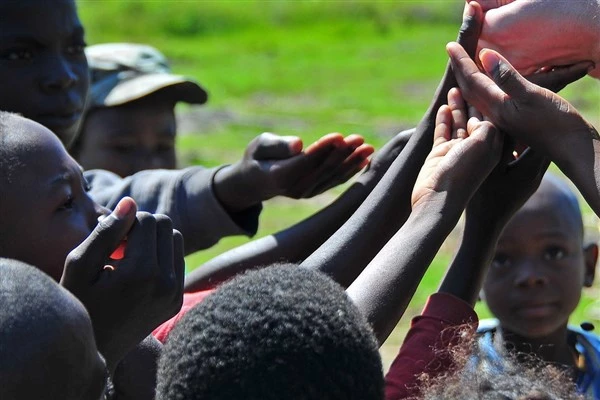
column 553, row 348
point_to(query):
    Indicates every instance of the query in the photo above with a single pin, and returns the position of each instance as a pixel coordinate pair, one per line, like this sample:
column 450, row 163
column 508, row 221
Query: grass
column 304, row 68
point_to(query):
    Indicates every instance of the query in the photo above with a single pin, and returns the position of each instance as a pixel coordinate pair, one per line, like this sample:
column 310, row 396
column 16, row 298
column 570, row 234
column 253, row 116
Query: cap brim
column 183, row 89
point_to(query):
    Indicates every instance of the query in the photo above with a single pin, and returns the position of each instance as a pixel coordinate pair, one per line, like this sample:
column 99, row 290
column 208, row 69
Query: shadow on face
column 129, row 138
column 42, row 55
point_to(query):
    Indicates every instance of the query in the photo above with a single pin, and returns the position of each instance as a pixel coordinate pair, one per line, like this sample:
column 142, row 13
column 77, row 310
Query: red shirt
column 441, row 324
column 189, row 301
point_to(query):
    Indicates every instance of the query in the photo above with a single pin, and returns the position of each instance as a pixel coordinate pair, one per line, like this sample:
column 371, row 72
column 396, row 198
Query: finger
column 468, row 36
column 141, row 256
column 324, row 172
column 490, row 4
column 164, row 248
column 178, row 265
column 269, row 146
column 503, row 73
column 477, row 88
column 469, row 32
column 557, row 78
column 87, row 260
column 443, row 125
column 329, row 140
column 350, row 167
column 354, row 140
column 474, row 113
column 459, row 113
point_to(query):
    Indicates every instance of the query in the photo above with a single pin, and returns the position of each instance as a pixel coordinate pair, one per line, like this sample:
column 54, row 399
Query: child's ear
column 590, row 253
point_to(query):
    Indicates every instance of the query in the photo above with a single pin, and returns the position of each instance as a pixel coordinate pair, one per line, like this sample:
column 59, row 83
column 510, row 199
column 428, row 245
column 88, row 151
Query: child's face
column 540, row 267
column 43, row 69
column 129, row 138
column 45, row 211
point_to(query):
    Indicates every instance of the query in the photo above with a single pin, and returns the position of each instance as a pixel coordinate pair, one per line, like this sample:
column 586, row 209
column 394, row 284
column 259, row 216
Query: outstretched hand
column 533, row 115
column 276, row 166
column 128, row 297
column 463, row 154
column 533, row 34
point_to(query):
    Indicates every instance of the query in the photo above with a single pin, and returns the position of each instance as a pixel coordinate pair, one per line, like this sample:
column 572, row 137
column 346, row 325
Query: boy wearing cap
column 129, row 125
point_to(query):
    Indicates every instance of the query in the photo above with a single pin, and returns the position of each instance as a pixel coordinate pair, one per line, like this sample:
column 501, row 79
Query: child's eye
column 76, row 49
column 16, row 54
column 554, row 253
column 501, row 260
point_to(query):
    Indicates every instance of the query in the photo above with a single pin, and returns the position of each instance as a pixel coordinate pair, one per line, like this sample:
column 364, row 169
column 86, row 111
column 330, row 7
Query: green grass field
column 304, row 68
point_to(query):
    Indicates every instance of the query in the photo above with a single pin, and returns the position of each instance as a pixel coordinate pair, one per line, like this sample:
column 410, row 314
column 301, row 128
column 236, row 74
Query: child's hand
column 276, row 166
column 533, row 115
column 463, row 154
column 127, row 298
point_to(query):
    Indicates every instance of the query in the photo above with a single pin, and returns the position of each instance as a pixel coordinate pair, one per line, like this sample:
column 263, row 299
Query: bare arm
column 297, row 242
column 459, row 161
column 346, row 253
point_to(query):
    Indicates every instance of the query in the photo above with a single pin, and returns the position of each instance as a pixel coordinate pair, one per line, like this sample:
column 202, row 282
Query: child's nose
column 530, row 274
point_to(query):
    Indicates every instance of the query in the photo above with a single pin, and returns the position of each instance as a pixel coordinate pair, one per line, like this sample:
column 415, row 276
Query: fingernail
column 123, row 208
column 490, row 60
column 469, row 11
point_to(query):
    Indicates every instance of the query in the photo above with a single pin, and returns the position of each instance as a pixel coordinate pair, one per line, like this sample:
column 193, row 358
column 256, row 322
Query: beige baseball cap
column 124, row 72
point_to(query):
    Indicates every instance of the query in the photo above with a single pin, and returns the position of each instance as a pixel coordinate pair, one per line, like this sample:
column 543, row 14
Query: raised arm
column 457, row 164
column 297, row 242
column 346, row 253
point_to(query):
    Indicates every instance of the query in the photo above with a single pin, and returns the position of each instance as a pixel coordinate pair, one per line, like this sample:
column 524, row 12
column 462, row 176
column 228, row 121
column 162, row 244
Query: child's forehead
column 34, row 17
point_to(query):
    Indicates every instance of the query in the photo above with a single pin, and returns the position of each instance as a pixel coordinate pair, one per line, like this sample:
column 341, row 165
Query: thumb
column 503, row 73
column 269, row 146
column 86, row 261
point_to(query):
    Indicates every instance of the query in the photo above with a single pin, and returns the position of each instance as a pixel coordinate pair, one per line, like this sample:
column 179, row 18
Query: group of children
column 92, row 259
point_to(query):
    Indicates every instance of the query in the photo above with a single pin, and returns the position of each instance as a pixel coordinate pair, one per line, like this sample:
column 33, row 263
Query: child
column 534, row 284
column 47, row 346
column 129, row 122
column 48, row 220
column 281, row 332
column 44, row 76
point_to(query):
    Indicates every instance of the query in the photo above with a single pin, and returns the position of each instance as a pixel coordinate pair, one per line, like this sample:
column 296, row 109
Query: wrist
column 231, row 189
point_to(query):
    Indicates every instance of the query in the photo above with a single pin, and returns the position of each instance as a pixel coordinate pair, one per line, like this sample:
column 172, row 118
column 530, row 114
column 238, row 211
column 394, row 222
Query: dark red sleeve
column 189, row 301
column 443, row 318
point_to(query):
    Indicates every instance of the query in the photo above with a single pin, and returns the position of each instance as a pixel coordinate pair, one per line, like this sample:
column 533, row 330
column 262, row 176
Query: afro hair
column 282, row 332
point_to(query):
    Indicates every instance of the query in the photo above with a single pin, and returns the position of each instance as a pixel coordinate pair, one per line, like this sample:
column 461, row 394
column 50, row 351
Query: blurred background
column 307, row 68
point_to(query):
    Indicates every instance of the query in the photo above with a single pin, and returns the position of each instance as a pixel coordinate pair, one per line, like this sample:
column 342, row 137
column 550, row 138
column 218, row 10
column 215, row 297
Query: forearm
column 467, row 271
column 293, row 244
column 384, row 289
column 346, row 253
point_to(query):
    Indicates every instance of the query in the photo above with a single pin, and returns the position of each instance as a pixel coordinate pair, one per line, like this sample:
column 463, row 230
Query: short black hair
column 33, row 309
column 282, row 332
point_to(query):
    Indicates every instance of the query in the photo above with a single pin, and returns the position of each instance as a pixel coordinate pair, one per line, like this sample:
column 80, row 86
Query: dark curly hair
column 282, row 332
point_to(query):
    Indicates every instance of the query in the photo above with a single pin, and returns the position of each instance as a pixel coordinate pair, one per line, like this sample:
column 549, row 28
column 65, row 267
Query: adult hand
column 129, row 297
column 541, row 33
column 276, row 166
column 533, row 115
